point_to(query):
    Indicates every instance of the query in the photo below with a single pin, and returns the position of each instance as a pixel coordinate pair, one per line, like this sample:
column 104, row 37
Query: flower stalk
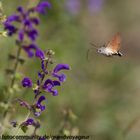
column 15, row 67
column 47, row 79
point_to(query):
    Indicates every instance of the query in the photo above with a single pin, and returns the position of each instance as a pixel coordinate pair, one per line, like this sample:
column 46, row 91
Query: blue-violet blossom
column 27, row 28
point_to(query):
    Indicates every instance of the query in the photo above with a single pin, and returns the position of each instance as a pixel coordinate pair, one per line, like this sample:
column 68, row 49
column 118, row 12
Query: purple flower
column 24, row 104
column 10, row 28
column 27, row 30
column 21, row 34
column 48, row 86
column 38, row 107
column 26, row 82
column 26, row 27
column 30, row 49
column 40, row 54
column 32, row 34
column 20, row 9
column 42, row 138
column 41, row 7
column 40, row 75
column 34, row 20
column 14, row 123
column 27, row 23
column 58, row 68
column 73, row 6
column 61, row 67
column 43, row 66
column 95, row 5
column 29, row 121
column 12, row 18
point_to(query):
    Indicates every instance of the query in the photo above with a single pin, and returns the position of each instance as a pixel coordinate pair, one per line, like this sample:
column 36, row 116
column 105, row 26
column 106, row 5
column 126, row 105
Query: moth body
column 108, row 51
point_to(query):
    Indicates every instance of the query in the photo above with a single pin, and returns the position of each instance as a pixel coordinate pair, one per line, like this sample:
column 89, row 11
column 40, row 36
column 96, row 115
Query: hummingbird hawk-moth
column 111, row 48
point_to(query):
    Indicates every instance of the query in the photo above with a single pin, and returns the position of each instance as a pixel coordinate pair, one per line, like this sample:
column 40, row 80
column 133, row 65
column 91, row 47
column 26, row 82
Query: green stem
column 13, row 79
column 18, row 129
column 15, row 67
column 5, row 114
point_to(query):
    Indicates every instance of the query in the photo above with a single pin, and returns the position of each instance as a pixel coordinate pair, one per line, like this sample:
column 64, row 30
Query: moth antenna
column 95, row 46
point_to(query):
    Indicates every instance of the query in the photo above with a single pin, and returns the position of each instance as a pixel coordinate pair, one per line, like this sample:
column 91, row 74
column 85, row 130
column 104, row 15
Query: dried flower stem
column 13, row 80
column 130, row 126
column 18, row 129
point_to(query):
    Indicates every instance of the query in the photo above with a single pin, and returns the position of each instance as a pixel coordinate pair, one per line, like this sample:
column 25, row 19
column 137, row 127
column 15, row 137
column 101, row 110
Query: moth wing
column 114, row 44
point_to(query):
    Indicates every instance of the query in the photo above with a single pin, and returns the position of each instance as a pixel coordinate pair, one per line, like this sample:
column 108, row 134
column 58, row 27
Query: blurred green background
column 104, row 92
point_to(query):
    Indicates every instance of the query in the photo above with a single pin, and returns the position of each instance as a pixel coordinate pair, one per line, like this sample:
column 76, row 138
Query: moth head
column 100, row 50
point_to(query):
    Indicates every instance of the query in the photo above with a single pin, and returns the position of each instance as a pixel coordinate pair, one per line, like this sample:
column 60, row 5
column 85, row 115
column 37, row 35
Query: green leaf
column 24, row 128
